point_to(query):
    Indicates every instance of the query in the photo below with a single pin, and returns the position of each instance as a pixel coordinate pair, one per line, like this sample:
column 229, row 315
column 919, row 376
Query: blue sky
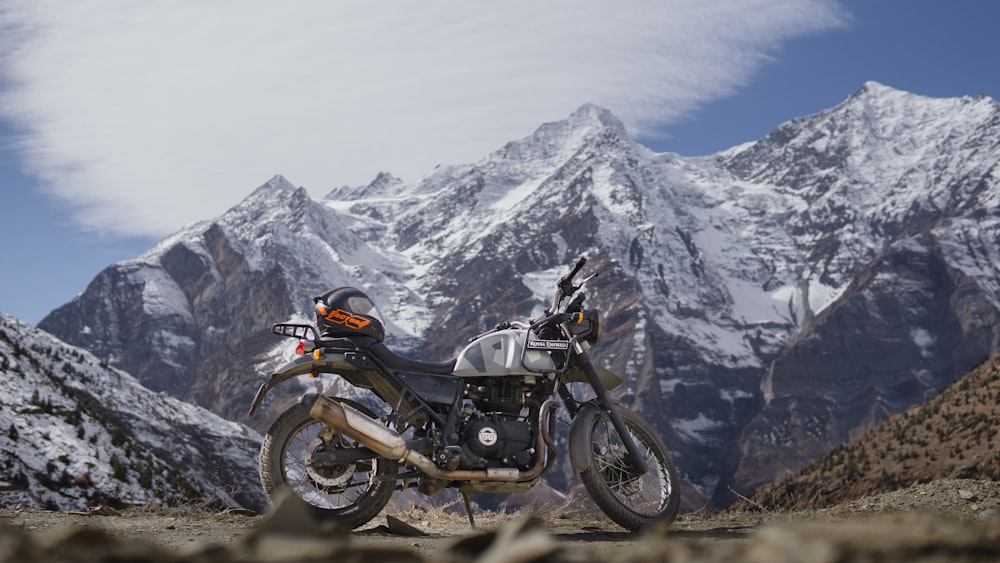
column 120, row 124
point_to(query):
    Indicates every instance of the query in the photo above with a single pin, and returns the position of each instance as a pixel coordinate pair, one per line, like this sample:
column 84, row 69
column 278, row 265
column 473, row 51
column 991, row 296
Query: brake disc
column 326, row 475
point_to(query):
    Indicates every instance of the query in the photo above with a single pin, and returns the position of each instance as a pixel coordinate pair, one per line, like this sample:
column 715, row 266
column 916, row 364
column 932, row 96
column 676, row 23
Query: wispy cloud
column 147, row 115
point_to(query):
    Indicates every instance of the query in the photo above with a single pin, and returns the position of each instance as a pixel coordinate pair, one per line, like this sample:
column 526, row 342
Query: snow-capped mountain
column 763, row 304
column 77, row 433
column 899, row 219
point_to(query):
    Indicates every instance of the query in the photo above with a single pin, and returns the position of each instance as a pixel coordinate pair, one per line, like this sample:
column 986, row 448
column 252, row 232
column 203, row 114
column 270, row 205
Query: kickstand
column 468, row 509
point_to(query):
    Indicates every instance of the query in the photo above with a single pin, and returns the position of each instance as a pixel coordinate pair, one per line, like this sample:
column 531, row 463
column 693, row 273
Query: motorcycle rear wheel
column 290, row 457
column 631, row 500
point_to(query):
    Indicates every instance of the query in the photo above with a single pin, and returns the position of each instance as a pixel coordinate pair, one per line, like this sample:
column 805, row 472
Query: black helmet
column 347, row 311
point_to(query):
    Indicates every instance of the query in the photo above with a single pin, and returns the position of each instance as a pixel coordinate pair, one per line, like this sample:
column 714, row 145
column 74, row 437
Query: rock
column 15, row 545
column 87, row 544
column 400, row 528
column 520, row 541
column 966, row 495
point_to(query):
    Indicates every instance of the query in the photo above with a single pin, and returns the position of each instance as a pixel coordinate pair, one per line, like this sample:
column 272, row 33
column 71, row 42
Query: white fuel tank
column 501, row 353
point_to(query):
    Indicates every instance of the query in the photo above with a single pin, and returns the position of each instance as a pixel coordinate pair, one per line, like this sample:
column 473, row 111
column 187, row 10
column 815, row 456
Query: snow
column 822, row 296
column 543, row 283
column 924, row 340
column 40, row 397
column 518, row 194
column 161, row 296
column 696, row 430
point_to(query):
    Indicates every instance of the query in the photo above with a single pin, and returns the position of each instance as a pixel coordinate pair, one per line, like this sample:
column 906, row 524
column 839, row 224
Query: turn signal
column 316, row 354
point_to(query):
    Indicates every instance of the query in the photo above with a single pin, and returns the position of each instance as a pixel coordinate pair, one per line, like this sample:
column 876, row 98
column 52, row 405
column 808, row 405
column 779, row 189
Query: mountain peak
column 593, row 116
column 384, row 185
column 554, row 139
column 878, row 94
column 876, row 88
column 590, row 120
column 277, row 184
column 275, row 189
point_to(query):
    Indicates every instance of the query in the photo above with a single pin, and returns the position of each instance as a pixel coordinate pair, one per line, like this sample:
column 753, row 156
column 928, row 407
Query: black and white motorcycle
column 482, row 422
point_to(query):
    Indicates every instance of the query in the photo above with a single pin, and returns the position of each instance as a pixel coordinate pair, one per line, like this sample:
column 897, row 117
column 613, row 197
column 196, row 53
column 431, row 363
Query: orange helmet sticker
column 346, row 318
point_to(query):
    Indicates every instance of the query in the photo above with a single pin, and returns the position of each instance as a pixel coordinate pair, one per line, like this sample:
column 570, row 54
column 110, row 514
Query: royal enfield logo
column 487, row 436
column 548, row 345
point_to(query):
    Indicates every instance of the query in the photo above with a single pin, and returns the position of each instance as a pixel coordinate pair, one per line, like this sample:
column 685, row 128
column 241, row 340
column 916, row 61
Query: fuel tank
column 502, row 353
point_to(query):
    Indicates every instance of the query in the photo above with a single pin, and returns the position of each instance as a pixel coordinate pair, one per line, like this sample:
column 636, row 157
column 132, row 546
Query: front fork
column 605, row 403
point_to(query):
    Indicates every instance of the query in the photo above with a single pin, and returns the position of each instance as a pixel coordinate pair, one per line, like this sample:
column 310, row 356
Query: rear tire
column 633, row 501
column 352, row 493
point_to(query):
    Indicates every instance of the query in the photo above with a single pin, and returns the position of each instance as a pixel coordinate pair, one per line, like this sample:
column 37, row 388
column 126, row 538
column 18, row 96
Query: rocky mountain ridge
column 764, row 304
column 78, row 434
column 911, row 194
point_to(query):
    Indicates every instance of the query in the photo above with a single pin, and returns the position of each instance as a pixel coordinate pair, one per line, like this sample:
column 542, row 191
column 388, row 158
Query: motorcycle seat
column 396, row 362
column 338, row 343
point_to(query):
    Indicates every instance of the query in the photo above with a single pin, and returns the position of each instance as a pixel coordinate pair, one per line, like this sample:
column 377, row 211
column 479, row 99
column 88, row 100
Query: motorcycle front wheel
column 632, row 500
column 297, row 454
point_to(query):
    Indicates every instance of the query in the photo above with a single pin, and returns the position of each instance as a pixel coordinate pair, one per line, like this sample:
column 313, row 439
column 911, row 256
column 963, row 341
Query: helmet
column 347, row 311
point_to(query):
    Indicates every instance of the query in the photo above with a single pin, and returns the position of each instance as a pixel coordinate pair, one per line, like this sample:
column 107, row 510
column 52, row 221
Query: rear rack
column 302, row 332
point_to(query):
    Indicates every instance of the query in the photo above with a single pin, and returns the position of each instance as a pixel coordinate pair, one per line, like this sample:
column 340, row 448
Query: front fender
column 608, row 378
column 580, row 456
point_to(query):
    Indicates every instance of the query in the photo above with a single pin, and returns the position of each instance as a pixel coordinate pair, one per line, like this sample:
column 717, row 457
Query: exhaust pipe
column 389, row 444
column 359, row 427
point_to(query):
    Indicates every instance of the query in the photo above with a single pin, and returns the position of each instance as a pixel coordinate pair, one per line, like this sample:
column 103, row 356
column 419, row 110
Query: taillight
column 301, row 348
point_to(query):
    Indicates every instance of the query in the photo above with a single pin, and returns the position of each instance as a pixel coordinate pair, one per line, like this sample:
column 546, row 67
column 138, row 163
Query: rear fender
column 298, row 366
column 318, row 362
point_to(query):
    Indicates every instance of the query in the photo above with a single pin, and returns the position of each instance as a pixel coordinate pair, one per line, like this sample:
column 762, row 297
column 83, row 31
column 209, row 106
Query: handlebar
column 576, row 269
column 565, row 287
column 555, row 319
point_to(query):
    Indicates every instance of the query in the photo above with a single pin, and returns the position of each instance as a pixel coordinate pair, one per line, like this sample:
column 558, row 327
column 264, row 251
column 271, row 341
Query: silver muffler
column 389, row 444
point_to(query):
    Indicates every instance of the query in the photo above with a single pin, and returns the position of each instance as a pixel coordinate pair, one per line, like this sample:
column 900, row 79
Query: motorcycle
column 482, row 422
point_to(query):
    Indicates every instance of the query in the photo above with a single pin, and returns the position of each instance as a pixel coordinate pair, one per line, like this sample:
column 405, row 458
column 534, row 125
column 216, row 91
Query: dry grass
column 952, row 436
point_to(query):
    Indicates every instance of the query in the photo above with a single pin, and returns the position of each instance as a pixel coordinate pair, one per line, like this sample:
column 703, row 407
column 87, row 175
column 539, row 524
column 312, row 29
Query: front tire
column 290, row 457
column 633, row 501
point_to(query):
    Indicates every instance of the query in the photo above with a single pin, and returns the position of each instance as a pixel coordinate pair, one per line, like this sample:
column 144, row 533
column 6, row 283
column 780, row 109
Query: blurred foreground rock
column 900, row 537
column 290, row 533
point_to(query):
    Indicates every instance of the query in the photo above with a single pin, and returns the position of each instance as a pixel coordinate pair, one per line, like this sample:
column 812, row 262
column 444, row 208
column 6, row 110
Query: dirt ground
column 947, row 520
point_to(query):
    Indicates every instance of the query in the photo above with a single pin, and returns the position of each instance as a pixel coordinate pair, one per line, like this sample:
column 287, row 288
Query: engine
column 498, row 431
column 499, row 439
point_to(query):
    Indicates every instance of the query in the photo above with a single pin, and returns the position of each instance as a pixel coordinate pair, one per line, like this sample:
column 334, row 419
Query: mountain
column 77, row 433
column 901, row 218
column 764, row 304
column 952, row 436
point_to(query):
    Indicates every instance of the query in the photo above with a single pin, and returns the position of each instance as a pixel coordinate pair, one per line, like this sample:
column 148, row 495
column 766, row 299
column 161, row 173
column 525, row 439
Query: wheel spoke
column 644, row 494
column 338, row 491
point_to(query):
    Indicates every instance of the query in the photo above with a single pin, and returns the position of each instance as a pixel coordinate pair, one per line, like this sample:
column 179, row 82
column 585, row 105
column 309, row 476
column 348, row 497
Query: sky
column 123, row 121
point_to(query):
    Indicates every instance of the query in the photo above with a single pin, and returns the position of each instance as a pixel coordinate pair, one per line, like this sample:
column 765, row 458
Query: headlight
column 589, row 327
column 598, row 327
